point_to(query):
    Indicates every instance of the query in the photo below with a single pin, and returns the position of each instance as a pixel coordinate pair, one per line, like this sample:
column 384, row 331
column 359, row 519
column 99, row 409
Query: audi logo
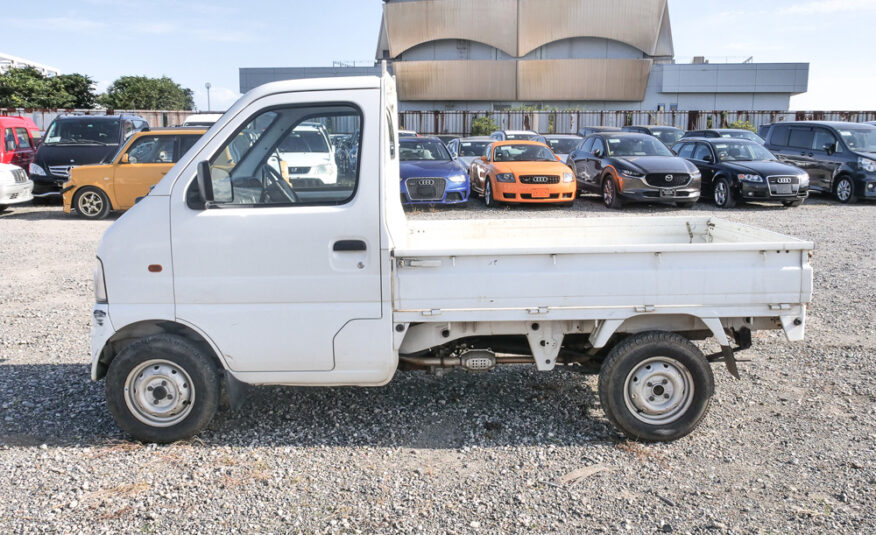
column 668, row 178
column 783, row 180
column 540, row 179
column 426, row 182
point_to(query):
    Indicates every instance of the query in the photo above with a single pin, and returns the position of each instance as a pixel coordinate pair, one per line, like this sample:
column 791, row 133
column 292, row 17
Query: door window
column 800, row 138
column 701, row 152
column 152, row 149
column 780, row 135
column 587, row 146
column 686, row 150
column 23, row 138
column 185, row 143
column 9, row 139
column 598, row 145
column 129, row 129
column 823, row 139
column 284, row 157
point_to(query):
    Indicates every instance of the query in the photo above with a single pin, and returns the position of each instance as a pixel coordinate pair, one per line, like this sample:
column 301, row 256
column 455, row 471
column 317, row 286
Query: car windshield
column 83, row 131
column 523, row 153
column 418, row 150
column 563, row 145
column 520, row 136
column 668, row 136
column 742, row 134
column 304, row 141
column 472, row 148
column 742, row 151
column 631, row 146
column 860, row 140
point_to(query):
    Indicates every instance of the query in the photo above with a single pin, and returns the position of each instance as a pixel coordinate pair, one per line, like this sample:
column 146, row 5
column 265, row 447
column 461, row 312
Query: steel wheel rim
column 720, row 193
column 659, row 390
column 844, row 189
column 90, row 203
column 159, row 393
column 608, row 192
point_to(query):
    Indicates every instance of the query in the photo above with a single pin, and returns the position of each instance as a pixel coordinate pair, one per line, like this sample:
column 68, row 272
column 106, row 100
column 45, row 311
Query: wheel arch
column 684, row 324
column 141, row 329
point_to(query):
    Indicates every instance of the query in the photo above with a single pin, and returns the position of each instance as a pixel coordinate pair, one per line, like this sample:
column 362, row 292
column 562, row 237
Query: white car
column 308, row 154
column 202, row 119
column 15, row 186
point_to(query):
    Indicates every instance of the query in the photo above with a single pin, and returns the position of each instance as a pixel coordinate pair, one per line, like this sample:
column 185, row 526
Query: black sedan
column 738, row 170
column 633, row 167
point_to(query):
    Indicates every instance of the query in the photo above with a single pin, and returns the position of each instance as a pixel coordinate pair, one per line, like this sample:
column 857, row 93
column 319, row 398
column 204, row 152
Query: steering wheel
column 272, row 175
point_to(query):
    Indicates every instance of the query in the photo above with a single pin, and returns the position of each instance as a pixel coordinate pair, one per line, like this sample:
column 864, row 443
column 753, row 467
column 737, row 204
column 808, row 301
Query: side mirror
column 484, row 158
column 125, row 158
column 708, row 158
column 597, row 153
column 559, row 159
column 831, row 148
column 205, row 183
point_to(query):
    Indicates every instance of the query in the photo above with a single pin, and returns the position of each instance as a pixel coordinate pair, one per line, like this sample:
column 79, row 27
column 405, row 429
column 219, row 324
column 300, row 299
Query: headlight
column 99, row 283
column 750, row 178
column 629, row 173
column 568, row 177
column 7, row 178
column 867, row 165
column 804, row 180
column 37, row 170
column 696, row 174
column 324, row 169
column 505, row 177
column 457, row 178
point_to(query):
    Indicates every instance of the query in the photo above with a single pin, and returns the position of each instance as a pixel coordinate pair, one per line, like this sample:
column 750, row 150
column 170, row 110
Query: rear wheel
column 844, row 190
column 91, row 203
column 722, row 194
column 656, row 386
column 610, row 196
column 162, row 388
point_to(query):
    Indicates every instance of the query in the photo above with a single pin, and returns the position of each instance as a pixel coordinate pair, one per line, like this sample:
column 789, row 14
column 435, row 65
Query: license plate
column 540, row 193
column 667, row 193
column 426, row 192
column 784, row 189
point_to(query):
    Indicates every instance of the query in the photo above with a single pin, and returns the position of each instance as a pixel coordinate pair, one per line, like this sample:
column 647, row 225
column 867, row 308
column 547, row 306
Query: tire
column 722, row 194
column 3, row 207
column 610, row 197
column 686, row 204
column 489, row 199
column 844, row 190
column 91, row 203
column 670, row 369
column 170, row 366
column 792, row 204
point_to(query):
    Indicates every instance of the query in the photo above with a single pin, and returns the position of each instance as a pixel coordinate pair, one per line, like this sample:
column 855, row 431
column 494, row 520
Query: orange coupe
column 521, row 171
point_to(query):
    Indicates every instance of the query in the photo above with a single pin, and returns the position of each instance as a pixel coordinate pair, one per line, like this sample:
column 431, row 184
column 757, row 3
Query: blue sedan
column 429, row 174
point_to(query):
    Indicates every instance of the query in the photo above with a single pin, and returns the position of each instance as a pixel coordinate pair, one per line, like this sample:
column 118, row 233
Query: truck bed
column 580, row 268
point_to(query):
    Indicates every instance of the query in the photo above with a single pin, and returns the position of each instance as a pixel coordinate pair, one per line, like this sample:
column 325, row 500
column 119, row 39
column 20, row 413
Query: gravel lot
column 789, row 449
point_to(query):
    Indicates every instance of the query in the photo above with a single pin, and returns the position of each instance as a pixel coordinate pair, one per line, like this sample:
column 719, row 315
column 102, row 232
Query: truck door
column 278, row 266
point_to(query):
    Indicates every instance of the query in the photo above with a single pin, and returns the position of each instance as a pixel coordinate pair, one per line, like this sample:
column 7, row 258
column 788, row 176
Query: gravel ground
column 789, row 449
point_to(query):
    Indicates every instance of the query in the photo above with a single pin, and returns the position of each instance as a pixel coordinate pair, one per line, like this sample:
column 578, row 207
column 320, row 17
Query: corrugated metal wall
column 567, row 122
column 44, row 117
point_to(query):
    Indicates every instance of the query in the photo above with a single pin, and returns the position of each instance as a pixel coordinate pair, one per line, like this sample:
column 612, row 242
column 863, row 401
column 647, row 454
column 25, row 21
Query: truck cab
column 227, row 273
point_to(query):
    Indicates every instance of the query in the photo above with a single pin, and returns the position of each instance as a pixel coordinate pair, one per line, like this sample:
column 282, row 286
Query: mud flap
column 714, row 325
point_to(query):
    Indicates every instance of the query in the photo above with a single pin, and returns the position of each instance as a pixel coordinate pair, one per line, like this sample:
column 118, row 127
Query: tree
column 483, row 126
column 26, row 87
column 144, row 93
column 742, row 125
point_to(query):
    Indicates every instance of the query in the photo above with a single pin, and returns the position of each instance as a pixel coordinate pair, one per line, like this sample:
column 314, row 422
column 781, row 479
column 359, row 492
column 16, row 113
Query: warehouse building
column 566, row 54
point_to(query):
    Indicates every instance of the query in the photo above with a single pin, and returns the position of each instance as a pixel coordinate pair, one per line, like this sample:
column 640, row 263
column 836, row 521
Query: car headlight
column 629, row 173
column 7, row 178
column 750, row 178
column 458, row 179
column 36, row 170
column 568, row 177
column 695, row 174
column 505, row 177
column 324, row 169
column 804, row 180
column 99, row 283
column 867, row 165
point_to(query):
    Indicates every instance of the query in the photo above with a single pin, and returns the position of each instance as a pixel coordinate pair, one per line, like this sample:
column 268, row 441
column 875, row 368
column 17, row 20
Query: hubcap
column 608, row 192
column 488, row 193
column 720, row 194
column 659, row 390
column 90, row 203
column 159, row 393
column 844, row 190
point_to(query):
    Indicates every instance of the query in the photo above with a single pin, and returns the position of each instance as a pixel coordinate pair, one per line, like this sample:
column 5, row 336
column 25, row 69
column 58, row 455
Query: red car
column 17, row 145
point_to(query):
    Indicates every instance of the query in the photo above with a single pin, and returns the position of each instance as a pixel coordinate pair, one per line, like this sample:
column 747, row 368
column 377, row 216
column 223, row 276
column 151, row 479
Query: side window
column 598, row 145
column 800, row 138
column 185, row 143
column 152, row 149
column 587, row 146
column 9, row 140
column 285, row 157
column 488, row 151
column 686, row 150
column 823, row 139
column 129, row 129
column 23, row 138
column 780, row 136
column 701, row 152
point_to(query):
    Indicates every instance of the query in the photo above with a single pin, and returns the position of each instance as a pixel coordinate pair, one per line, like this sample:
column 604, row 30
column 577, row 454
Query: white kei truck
column 231, row 273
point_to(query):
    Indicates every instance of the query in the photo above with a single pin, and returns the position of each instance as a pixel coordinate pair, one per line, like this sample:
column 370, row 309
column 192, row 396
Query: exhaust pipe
column 476, row 360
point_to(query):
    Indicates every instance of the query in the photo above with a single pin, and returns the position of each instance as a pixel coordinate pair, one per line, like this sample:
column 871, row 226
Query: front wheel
column 489, row 199
column 656, row 386
column 91, row 203
column 162, row 388
column 610, row 196
column 844, row 190
column 723, row 194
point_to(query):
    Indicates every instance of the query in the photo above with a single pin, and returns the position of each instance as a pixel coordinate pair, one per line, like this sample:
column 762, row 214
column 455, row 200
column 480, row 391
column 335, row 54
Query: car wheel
column 162, row 388
column 792, row 204
column 722, row 194
column 489, row 200
column 844, row 190
column 655, row 386
column 91, row 203
column 610, row 196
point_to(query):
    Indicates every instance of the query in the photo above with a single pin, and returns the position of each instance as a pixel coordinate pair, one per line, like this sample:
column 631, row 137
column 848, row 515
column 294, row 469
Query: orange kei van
column 521, row 171
column 93, row 191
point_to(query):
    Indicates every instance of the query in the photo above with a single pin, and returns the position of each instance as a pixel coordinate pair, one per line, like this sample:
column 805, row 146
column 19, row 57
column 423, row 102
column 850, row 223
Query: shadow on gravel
column 58, row 405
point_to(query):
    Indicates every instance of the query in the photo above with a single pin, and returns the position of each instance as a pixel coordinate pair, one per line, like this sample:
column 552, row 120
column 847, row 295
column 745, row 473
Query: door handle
column 347, row 246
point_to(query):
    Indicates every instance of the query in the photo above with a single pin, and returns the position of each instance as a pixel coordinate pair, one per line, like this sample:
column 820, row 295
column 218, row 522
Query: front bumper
column 865, row 185
column 16, row 193
column 454, row 193
column 761, row 193
column 534, row 193
column 101, row 331
column 47, row 186
column 636, row 189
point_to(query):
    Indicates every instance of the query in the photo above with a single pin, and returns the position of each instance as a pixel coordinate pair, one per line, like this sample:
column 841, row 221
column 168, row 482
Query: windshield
column 742, row 151
column 423, row 150
column 83, row 131
column 523, row 153
column 563, row 145
column 742, row 134
column 304, row 141
column 668, row 136
column 860, row 140
column 472, row 148
column 520, row 136
column 631, row 146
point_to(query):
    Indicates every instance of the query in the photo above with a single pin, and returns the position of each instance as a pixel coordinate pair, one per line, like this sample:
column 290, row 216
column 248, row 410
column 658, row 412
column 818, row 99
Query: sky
column 199, row 41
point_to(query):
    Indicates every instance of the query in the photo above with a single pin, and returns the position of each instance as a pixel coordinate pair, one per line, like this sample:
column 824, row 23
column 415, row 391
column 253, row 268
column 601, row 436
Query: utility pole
column 208, row 85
